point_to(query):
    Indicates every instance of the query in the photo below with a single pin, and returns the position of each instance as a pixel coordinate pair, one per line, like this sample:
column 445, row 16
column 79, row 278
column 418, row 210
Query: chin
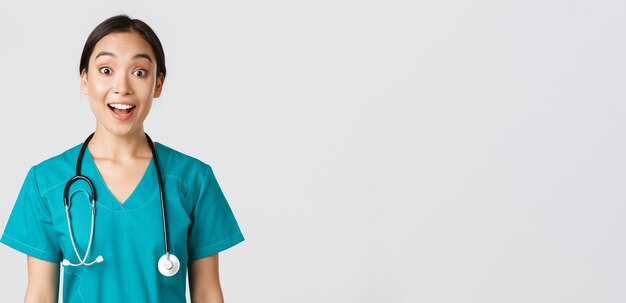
column 121, row 130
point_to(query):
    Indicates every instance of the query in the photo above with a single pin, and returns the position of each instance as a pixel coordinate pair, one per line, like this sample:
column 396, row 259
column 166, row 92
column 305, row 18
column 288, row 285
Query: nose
column 122, row 85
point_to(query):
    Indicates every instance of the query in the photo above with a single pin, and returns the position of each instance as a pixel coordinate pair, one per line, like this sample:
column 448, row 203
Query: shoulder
column 182, row 167
column 177, row 159
column 55, row 170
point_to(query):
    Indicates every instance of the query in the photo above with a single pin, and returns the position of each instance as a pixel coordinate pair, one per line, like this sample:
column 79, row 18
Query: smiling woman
column 160, row 212
column 121, row 79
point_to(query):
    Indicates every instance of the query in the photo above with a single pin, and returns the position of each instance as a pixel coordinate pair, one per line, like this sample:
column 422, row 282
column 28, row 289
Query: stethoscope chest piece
column 168, row 265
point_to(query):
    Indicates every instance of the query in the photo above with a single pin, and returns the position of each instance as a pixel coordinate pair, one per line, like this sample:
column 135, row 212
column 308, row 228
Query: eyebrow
column 137, row 56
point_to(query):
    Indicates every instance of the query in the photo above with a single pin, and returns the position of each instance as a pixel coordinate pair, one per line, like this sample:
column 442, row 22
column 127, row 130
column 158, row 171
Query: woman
column 128, row 256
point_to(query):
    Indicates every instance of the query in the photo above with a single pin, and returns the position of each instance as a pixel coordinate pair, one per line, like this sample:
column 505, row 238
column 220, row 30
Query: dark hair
column 123, row 23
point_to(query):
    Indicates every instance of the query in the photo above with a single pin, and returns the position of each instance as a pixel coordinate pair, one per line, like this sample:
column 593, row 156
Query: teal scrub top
column 129, row 235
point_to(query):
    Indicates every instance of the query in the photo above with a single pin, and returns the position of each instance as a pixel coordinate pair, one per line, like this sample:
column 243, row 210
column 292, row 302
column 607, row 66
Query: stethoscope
column 168, row 264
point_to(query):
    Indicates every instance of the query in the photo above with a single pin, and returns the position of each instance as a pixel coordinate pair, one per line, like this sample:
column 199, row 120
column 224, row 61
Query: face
column 121, row 82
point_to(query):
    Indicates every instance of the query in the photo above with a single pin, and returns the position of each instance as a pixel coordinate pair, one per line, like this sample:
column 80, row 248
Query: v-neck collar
column 141, row 194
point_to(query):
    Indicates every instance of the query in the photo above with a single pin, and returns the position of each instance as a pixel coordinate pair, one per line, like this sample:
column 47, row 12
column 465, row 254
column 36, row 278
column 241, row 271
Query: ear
column 83, row 82
column 159, row 85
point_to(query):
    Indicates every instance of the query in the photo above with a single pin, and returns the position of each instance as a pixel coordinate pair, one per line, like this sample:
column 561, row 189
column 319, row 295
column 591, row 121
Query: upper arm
column 213, row 224
column 213, row 229
column 30, row 228
column 204, row 280
column 43, row 281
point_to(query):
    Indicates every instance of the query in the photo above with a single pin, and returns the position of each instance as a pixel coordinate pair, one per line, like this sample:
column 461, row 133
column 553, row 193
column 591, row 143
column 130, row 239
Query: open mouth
column 121, row 111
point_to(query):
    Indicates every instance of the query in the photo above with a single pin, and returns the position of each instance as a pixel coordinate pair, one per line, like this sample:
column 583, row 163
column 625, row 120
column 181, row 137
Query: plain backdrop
column 372, row 151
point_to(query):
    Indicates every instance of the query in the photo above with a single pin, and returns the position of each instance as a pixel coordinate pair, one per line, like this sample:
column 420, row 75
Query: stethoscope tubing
column 160, row 180
column 168, row 264
column 69, row 227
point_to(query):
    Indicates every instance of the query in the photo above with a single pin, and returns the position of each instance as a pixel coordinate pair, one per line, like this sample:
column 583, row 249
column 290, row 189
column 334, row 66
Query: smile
column 121, row 111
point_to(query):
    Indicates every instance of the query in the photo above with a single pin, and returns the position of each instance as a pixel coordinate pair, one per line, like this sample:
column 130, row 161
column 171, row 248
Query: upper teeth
column 121, row 106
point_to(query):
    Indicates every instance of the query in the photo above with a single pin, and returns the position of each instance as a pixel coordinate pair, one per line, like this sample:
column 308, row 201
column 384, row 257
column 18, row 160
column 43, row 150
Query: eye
column 140, row 72
column 106, row 70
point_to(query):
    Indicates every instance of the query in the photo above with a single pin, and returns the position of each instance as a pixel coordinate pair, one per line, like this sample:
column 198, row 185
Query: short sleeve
column 213, row 224
column 30, row 228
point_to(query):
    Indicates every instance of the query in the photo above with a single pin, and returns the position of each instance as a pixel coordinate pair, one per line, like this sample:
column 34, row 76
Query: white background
column 372, row 151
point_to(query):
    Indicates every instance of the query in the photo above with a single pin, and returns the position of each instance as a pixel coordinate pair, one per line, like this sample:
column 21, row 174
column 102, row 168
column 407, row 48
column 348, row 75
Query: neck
column 105, row 144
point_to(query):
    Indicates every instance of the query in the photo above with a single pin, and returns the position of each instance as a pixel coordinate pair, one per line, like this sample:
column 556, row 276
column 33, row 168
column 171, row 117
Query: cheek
column 146, row 85
column 144, row 91
column 100, row 87
column 97, row 87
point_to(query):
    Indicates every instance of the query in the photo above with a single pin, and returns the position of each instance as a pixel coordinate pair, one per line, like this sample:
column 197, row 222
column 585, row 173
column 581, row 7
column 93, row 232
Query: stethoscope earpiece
column 66, row 262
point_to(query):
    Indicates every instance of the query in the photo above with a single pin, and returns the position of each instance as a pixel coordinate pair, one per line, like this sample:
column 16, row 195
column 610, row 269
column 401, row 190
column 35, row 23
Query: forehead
column 123, row 45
